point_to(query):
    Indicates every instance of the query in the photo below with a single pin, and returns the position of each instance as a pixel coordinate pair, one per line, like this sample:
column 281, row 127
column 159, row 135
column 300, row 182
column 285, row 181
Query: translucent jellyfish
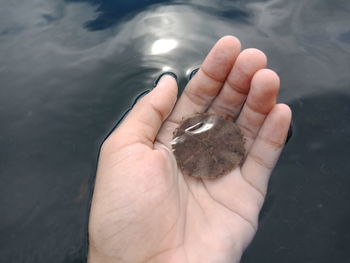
column 208, row 146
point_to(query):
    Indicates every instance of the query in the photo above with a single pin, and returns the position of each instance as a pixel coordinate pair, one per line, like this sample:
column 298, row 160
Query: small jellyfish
column 208, row 146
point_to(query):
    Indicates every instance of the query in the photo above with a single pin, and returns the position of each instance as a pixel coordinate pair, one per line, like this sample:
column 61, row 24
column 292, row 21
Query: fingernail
column 163, row 74
column 290, row 133
column 193, row 73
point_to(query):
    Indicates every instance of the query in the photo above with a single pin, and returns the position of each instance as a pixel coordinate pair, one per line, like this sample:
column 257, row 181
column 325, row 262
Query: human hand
column 145, row 210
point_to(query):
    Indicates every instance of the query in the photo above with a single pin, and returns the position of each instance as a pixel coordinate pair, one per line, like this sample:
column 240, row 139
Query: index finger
column 204, row 86
column 208, row 81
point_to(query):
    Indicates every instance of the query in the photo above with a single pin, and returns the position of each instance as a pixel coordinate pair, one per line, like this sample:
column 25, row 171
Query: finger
column 204, row 85
column 262, row 157
column 261, row 99
column 234, row 92
column 208, row 81
column 145, row 119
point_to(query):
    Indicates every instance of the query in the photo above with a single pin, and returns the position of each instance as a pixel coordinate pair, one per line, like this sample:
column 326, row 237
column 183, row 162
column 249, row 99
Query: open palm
column 145, row 210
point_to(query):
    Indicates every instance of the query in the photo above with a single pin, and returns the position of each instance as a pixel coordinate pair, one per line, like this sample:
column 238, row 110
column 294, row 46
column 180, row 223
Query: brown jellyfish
column 208, row 146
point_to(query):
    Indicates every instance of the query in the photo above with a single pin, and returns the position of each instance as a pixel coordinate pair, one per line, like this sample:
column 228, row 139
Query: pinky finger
column 267, row 147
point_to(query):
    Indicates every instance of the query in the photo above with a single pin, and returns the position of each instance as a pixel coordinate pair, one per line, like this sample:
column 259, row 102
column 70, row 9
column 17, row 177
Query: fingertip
column 247, row 64
column 167, row 79
column 268, row 77
column 164, row 95
column 167, row 85
column 278, row 122
column 221, row 58
column 164, row 74
column 230, row 41
column 264, row 90
column 285, row 112
column 259, row 56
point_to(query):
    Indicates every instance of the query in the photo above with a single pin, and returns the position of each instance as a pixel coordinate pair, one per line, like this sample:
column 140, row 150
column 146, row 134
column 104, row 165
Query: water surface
column 69, row 69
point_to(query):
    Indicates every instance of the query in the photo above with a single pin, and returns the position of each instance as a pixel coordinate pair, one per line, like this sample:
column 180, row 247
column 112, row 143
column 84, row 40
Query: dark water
column 69, row 69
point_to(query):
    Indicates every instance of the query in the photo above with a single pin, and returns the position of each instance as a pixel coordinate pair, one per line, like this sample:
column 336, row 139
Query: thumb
column 145, row 119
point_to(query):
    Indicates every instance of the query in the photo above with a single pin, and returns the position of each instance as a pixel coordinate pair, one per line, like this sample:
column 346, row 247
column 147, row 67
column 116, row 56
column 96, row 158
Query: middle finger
column 237, row 85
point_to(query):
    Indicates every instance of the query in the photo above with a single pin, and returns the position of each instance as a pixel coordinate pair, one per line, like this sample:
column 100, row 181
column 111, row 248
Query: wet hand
column 145, row 210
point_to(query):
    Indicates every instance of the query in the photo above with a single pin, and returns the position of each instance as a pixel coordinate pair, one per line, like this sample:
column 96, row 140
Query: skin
column 145, row 210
